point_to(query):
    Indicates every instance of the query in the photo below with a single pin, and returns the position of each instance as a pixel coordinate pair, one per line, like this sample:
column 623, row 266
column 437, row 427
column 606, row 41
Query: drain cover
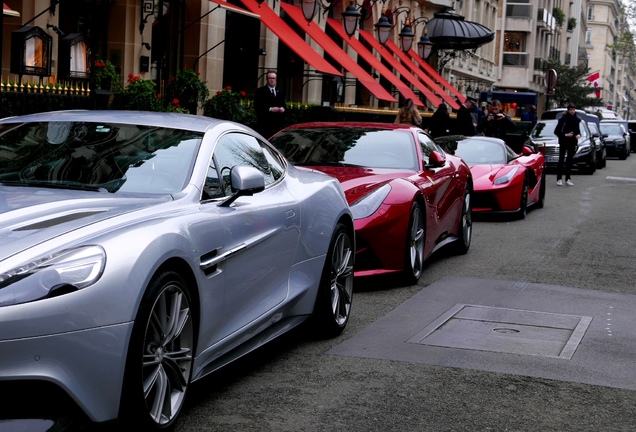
column 504, row 330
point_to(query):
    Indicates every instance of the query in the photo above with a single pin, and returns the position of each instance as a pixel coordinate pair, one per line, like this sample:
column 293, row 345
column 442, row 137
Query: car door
column 440, row 194
column 261, row 235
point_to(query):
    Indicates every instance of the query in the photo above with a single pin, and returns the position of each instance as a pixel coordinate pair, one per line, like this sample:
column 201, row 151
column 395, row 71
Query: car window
column 427, row 145
column 231, row 150
column 480, row 152
column 544, row 129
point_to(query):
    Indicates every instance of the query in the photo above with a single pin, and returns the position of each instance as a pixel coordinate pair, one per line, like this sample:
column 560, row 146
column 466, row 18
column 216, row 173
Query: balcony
column 515, row 59
column 540, row 64
column 519, row 11
column 545, row 20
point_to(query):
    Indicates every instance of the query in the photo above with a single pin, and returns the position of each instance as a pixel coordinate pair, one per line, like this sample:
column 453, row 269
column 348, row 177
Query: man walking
column 568, row 131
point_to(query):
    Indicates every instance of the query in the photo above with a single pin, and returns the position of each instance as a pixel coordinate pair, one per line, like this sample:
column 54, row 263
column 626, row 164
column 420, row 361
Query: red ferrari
column 408, row 197
column 504, row 181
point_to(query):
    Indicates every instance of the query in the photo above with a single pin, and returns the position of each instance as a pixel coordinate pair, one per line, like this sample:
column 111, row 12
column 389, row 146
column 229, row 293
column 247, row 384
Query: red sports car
column 504, row 181
column 408, row 197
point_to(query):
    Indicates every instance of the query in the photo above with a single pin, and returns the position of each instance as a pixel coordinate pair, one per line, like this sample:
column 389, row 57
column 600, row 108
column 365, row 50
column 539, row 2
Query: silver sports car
column 141, row 251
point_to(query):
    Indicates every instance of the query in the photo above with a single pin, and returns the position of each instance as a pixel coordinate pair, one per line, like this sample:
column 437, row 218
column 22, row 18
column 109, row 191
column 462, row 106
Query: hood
column 486, row 172
column 357, row 182
column 29, row 216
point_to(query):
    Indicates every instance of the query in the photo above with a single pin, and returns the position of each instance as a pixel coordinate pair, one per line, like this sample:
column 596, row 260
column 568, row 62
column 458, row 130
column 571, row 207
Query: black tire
column 335, row 294
column 414, row 250
column 541, row 202
column 465, row 228
column 160, row 355
column 523, row 203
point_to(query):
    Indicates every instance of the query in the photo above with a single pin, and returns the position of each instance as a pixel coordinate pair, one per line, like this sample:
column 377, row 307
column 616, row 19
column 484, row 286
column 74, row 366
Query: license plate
column 552, row 159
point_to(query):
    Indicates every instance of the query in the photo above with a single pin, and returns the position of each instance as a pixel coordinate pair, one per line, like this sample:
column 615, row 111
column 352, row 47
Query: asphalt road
column 584, row 238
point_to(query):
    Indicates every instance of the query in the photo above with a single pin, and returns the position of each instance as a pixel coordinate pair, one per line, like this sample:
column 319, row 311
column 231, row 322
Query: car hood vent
column 58, row 220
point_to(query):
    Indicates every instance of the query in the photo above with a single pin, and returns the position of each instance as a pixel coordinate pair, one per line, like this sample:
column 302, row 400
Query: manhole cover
column 504, row 330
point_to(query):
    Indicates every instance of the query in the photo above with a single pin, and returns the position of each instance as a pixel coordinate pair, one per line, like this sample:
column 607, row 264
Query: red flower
column 171, row 79
column 243, row 94
column 158, row 95
column 219, row 92
column 228, row 88
column 175, row 101
column 198, row 73
column 130, row 76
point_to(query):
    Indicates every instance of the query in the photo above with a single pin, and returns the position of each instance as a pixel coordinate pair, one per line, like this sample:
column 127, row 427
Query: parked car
column 599, row 144
column 504, row 181
column 545, row 140
column 407, row 196
column 617, row 140
column 141, row 251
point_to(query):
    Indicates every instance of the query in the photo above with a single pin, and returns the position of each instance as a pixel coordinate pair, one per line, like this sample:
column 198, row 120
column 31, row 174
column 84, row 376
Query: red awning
column 6, row 10
column 386, row 55
column 450, row 100
column 337, row 53
column 232, row 8
column 374, row 62
column 437, row 77
column 290, row 37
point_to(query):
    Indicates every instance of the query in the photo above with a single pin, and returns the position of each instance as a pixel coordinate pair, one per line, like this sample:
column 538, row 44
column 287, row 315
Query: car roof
column 171, row 120
column 359, row 125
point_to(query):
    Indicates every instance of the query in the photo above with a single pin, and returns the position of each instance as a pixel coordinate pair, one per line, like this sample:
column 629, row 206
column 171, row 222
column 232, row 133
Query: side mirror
column 436, row 160
column 246, row 181
column 526, row 151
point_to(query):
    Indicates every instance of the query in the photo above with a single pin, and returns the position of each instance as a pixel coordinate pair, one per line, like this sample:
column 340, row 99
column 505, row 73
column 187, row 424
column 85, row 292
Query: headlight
column 368, row 204
column 51, row 275
column 506, row 177
column 583, row 148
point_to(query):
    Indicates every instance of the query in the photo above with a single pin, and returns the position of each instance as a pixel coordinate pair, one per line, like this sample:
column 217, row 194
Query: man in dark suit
column 269, row 104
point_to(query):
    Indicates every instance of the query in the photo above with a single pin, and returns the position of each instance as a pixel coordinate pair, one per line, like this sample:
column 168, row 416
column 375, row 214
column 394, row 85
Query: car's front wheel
column 415, row 236
column 523, row 204
column 160, row 355
column 335, row 294
column 465, row 231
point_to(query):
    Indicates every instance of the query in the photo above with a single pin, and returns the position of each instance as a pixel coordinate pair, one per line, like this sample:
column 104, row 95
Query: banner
column 595, row 81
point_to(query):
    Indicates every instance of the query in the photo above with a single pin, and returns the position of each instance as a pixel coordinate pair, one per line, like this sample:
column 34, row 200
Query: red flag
column 595, row 81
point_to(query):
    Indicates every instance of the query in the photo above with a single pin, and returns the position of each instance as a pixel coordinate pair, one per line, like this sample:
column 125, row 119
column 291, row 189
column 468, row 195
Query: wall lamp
column 424, row 45
column 386, row 23
column 311, row 7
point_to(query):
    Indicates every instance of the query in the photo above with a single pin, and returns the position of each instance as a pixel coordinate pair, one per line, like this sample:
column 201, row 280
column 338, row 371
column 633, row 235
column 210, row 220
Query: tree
column 572, row 86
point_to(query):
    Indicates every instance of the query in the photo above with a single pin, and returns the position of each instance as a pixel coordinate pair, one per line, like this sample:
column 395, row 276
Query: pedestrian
column 530, row 116
column 269, row 105
column 496, row 124
column 484, row 109
column 440, row 121
column 409, row 114
column 568, row 131
column 465, row 123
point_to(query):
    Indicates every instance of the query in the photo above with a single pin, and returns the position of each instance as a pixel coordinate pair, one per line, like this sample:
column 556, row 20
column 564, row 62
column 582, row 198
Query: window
column 588, row 37
column 239, row 149
column 427, row 145
column 590, row 13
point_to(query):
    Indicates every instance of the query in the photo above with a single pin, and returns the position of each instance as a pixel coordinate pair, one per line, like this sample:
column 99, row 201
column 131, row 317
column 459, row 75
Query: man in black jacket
column 269, row 104
column 568, row 130
column 496, row 123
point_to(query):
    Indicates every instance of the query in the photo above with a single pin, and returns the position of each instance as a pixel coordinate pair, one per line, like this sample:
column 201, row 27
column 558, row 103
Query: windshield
column 611, row 129
column 481, row 152
column 545, row 129
column 365, row 147
column 97, row 156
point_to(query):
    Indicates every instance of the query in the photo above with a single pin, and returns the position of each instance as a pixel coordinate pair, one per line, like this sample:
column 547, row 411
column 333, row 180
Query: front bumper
column 87, row 365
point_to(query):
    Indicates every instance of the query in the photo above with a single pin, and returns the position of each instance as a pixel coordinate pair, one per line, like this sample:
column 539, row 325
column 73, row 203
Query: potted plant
column 229, row 105
column 139, row 94
column 188, row 88
column 105, row 76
